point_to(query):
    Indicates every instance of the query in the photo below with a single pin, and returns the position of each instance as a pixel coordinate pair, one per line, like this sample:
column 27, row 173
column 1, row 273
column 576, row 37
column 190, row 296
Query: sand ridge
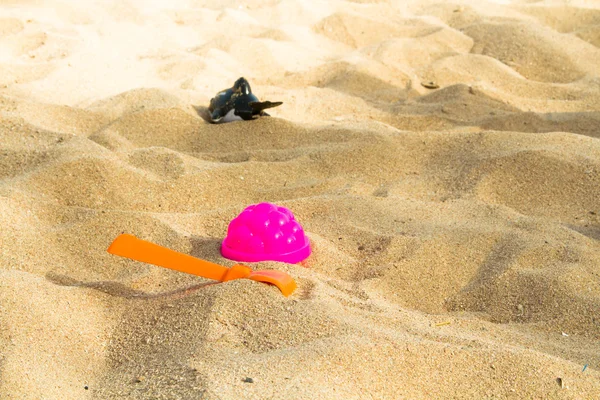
column 444, row 159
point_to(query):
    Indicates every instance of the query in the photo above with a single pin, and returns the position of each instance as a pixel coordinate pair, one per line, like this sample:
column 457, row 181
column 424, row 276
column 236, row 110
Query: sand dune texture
column 443, row 158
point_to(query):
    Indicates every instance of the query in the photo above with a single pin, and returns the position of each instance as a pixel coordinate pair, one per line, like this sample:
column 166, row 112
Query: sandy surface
column 455, row 228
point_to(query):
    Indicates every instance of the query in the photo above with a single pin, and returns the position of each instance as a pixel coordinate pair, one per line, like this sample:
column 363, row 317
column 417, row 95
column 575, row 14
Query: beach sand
column 443, row 158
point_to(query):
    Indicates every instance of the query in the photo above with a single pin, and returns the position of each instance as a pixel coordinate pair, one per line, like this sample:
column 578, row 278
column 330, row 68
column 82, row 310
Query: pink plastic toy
column 264, row 232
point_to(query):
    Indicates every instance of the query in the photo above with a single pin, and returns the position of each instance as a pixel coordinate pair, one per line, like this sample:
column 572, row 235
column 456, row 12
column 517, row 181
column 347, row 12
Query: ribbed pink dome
column 264, row 232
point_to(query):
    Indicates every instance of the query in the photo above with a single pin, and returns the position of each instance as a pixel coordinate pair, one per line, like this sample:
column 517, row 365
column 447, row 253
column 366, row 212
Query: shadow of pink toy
column 264, row 232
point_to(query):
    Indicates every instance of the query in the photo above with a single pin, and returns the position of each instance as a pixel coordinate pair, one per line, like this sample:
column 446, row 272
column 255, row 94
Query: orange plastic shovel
column 140, row 250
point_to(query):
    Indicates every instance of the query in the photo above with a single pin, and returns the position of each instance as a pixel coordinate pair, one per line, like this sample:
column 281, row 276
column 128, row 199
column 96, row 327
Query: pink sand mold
column 264, row 232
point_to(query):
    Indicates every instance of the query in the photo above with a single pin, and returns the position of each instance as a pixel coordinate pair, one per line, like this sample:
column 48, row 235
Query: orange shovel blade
column 283, row 281
column 140, row 250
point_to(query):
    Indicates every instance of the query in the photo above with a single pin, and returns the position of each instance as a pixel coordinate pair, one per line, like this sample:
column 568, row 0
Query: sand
column 443, row 158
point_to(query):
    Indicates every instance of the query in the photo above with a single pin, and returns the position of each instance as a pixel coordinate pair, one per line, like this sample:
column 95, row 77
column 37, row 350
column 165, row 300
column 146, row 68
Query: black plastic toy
column 238, row 103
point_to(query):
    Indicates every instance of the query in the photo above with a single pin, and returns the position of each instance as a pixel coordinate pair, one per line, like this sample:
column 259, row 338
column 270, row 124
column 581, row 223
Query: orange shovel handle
column 140, row 250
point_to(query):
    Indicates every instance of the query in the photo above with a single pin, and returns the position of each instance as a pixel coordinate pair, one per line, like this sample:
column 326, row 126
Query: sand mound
column 513, row 45
column 442, row 158
column 354, row 30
